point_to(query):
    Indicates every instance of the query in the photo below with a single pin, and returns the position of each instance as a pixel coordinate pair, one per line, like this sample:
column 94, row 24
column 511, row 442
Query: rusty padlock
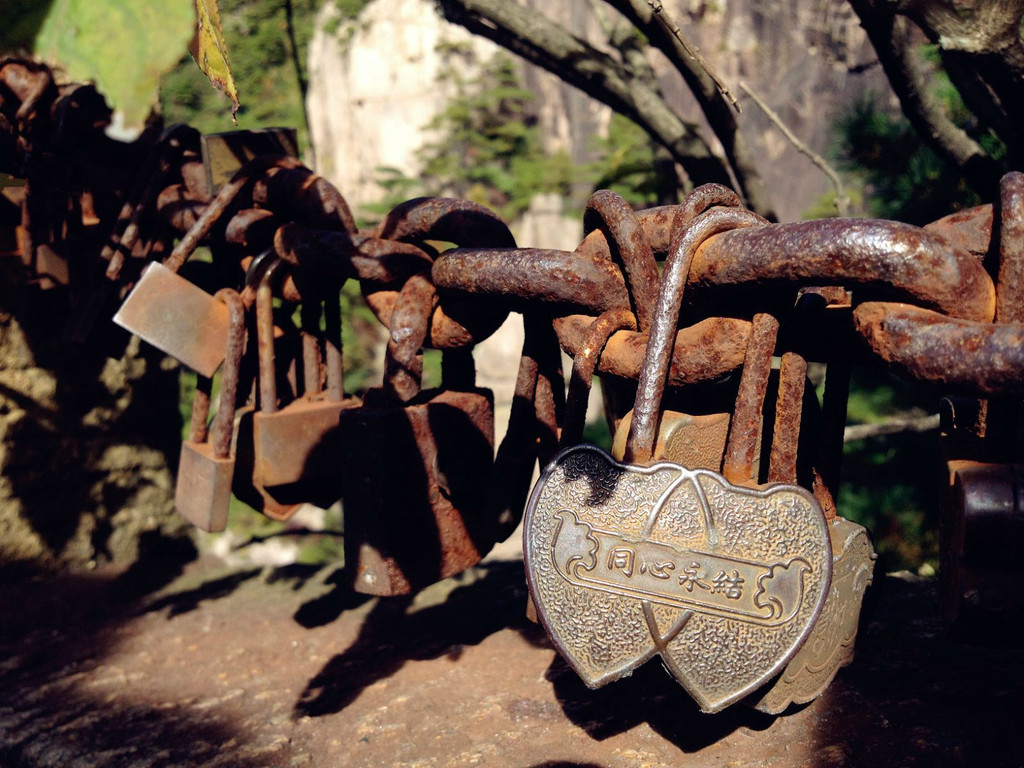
column 297, row 446
column 416, row 467
column 982, row 548
column 206, row 465
column 626, row 561
column 177, row 317
column 263, row 273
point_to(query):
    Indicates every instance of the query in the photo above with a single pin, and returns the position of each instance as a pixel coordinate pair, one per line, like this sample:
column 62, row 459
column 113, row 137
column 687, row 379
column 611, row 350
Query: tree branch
column 842, row 200
column 889, row 36
column 716, row 109
column 891, row 427
column 547, row 45
column 692, row 52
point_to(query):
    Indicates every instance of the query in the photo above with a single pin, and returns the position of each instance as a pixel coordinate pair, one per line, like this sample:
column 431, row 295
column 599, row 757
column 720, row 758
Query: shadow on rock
column 178, row 603
column 328, row 607
column 398, row 630
column 650, row 695
column 63, row 702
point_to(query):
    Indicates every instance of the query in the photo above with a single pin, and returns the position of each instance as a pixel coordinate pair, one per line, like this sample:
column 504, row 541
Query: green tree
column 486, row 146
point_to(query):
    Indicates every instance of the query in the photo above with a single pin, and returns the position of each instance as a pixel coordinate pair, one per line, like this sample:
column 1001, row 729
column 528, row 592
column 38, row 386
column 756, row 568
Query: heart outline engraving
column 626, row 562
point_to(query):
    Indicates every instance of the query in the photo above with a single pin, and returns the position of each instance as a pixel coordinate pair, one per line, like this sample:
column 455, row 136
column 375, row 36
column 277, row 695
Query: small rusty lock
column 626, row 561
column 206, row 465
column 416, row 467
column 982, row 548
column 263, row 273
column 297, row 446
column 177, row 317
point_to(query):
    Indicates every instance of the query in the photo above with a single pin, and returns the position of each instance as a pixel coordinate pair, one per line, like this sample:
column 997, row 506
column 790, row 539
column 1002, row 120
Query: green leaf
column 211, row 52
column 122, row 45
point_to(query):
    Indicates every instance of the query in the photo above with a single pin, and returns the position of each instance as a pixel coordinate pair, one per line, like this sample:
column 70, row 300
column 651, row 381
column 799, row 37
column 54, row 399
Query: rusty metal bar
column 222, row 429
column 527, row 277
column 745, row 428
column 1010, row 285
column 608, row 212
column 333, row 348
column 788, row 413
column 886, row 259
column 644, row 426
column 978, row 358
column 583, row 366
column 461, row 222
column 704, row 351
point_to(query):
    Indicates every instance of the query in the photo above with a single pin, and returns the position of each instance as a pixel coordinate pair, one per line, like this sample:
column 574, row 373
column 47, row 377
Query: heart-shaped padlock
column 628, row 560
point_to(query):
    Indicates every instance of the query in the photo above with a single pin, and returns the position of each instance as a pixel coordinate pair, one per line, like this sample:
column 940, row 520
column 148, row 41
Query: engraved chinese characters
column 628, row 560
column 624, row 562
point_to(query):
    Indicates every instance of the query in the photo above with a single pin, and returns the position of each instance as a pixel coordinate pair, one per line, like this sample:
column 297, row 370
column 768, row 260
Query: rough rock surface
column 86, row 440
column 374, row 84
column 285, row 667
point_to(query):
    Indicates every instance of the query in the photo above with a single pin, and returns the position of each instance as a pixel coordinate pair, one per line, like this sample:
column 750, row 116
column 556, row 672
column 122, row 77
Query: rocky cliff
column 374, row 83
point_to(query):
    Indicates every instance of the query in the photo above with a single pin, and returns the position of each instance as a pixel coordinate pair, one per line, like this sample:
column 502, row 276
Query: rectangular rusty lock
column 206, row 465
column 298, row 442
column 415, row 488
column 983, row 548
column 225, row 153
column 203, row 491
column 178, row 318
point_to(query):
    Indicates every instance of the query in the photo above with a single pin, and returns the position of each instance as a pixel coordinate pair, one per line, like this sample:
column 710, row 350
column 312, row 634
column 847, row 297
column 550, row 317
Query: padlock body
column 696, row 442
column 202, row 493
column 299, row 442
column 178, row 318
column 415, row 489
column 244, row 484
column 982, row 550
column 829, row 647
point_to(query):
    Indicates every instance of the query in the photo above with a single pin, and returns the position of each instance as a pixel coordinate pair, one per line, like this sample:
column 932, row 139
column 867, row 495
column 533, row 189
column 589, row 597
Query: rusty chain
column 942, row 304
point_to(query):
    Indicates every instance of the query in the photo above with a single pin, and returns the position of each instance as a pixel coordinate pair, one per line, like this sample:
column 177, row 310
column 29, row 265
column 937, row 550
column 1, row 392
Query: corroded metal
column 940, row 303
column 202, row 492
column 609, row 212
column 583, row 366
column 788, row 411
column 625, row 561
column 963, row 356
column 177, row 317
column 416, row 468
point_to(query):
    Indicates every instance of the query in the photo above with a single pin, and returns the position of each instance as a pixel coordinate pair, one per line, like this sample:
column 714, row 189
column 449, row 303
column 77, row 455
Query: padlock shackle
column 410, row 323
column 333, row 349
column 222, row 429
column 608, row 211
column 583, row 366
column 687, row 238
column 745, row 424
column 313, row 362
column 265, row 335
column 221, row 202
column 782, row 461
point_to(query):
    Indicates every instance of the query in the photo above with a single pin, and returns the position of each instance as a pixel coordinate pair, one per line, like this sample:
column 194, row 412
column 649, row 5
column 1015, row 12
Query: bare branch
column 692, row 51
column 720, row 116
column 842, row 199
column 891, row 427
column 546, row 44
column 889, row 36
